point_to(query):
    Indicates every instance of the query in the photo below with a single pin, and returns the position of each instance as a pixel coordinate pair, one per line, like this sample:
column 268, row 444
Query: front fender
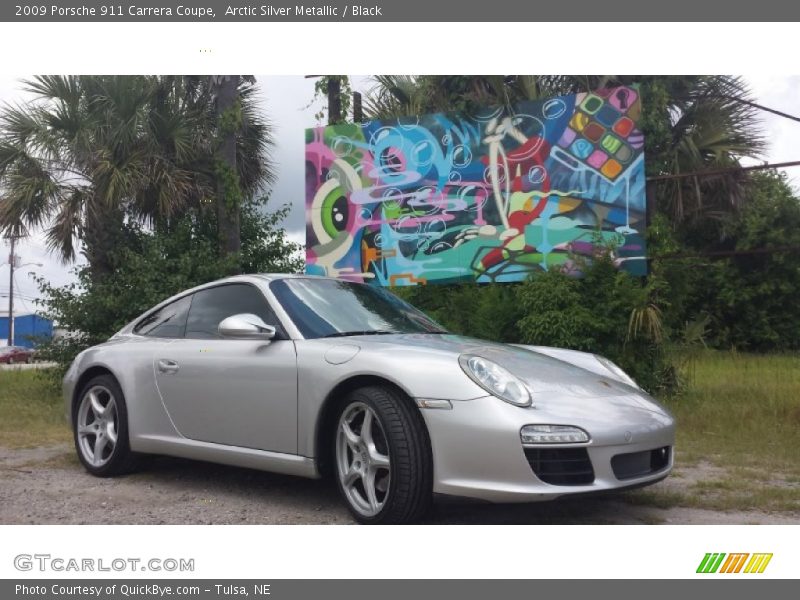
column 419, row 372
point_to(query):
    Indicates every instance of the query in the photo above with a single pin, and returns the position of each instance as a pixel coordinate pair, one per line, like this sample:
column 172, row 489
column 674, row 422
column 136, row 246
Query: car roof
column 247, row 277
column 274, row 276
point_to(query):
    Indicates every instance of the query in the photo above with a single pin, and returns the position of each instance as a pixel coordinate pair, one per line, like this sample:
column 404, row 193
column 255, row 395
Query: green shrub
column 752, row 295
column 606, row 312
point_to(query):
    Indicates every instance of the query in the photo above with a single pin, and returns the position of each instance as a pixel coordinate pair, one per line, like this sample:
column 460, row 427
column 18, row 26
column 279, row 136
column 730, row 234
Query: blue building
column 26, row 329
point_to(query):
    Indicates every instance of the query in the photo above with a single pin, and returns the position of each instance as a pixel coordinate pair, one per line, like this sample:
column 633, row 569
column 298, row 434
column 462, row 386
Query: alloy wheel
column 362, row 459
column 97, row 424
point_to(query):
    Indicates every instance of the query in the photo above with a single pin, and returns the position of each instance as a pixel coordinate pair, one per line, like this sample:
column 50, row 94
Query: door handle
column 165, row 365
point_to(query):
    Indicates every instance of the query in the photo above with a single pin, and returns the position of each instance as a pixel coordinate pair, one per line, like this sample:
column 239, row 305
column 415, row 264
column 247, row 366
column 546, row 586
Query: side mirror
column 246, row 326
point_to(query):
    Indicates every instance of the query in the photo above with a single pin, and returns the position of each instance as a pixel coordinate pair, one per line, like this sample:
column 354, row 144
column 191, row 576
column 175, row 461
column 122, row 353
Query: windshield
column 329, row 308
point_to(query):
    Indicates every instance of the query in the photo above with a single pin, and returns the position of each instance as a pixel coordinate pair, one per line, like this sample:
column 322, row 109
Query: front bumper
column 478, row 454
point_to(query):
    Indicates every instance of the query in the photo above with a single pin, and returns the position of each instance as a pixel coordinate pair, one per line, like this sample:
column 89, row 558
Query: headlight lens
column 553, row 434
column 616, row 371
column 495, row 379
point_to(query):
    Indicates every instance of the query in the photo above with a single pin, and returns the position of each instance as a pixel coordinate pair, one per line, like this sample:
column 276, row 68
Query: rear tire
column 100, row 429
column 382, row 458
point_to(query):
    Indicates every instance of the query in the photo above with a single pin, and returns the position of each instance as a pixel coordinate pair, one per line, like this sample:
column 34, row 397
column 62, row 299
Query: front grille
column 561, row 466
column 639, row 464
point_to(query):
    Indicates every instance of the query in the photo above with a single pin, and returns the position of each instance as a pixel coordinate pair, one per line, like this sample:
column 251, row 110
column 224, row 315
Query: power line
column 5, row 294
column 729, row 253
column 4, row 291
column 715, row 172
column 758, row 106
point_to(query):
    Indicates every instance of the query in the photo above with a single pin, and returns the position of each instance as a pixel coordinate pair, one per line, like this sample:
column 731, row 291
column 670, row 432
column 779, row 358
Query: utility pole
column 334, row 97
column 358, row 111
column 334, row 100
column 11, row 262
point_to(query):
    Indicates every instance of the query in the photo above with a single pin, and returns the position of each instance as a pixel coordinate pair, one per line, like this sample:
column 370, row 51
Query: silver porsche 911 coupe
column 312, row 376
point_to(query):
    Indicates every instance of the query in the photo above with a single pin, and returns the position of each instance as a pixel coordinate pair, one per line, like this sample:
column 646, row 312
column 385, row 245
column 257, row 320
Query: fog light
column 553, row 434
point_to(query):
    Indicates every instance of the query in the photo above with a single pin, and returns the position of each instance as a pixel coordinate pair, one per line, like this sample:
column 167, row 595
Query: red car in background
column 15, row 354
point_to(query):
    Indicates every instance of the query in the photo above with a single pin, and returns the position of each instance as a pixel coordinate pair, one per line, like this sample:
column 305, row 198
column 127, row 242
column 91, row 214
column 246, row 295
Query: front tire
column 383, row 465
column 100, row 428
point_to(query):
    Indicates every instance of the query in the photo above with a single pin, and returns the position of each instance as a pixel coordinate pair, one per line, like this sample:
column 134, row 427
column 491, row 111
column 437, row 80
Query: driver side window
column 212, row 305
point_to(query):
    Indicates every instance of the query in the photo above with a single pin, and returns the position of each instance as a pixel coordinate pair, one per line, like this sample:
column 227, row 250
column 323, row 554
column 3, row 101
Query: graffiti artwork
column 492, row 197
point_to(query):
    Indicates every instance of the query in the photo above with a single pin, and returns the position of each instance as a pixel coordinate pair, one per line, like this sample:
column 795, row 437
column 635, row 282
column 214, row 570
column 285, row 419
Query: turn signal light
column 553, row 434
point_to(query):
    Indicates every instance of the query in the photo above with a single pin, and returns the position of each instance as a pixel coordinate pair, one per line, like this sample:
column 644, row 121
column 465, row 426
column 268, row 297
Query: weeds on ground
column 31, row 410
column 741, row 415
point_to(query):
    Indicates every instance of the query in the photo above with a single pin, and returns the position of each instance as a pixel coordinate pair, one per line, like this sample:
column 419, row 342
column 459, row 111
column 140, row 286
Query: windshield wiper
column 365, row 332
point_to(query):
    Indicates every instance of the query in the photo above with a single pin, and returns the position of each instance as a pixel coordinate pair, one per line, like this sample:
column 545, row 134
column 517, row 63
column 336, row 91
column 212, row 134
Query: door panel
column 234, row 392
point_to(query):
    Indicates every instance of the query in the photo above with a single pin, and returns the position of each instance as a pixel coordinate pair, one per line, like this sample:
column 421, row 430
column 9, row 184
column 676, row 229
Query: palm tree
column 394, row 96
column 89, row 152
column 239, row 144
column 225, row 89
column 712, row 127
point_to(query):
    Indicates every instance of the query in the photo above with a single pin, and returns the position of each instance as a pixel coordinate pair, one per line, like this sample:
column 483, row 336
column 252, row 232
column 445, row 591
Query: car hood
column 546, row 376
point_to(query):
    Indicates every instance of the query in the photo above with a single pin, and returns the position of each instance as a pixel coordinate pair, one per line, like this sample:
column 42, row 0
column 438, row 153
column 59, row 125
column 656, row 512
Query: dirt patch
column 48, row 485
column 705, row 485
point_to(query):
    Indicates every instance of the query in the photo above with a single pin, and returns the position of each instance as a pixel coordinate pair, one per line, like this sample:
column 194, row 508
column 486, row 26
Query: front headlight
column 616, row 371
column 495, row 379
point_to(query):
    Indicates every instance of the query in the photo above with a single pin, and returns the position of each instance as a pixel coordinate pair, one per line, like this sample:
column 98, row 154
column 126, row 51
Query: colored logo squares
column 567, row 137
column 736, row 562
column 611, row 169
column 597, row 159
column 611, row 143
column 624, row 154
column 581, row 148
column 594, row 131
column 607, row 116
column 579, row 121
column 622, row 98
column 602, row 132
column 623, row 127
column 591, row 104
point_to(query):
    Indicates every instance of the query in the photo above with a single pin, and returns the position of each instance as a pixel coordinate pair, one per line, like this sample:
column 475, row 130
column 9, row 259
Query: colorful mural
column 446, row 198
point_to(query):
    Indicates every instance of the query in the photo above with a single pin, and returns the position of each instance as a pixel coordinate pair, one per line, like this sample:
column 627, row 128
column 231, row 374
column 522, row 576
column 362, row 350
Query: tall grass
column 31, row 410
column 741, row 410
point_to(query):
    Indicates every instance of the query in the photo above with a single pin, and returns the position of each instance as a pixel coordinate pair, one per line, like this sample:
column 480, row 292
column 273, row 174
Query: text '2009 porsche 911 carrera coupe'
column 312, row 376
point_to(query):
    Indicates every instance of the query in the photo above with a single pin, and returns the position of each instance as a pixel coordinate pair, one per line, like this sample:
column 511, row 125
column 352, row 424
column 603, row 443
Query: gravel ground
column 48, row 485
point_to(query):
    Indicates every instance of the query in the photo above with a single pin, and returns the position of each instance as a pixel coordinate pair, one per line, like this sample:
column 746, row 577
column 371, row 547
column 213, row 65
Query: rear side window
column 212, row 305
column 167, row 322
